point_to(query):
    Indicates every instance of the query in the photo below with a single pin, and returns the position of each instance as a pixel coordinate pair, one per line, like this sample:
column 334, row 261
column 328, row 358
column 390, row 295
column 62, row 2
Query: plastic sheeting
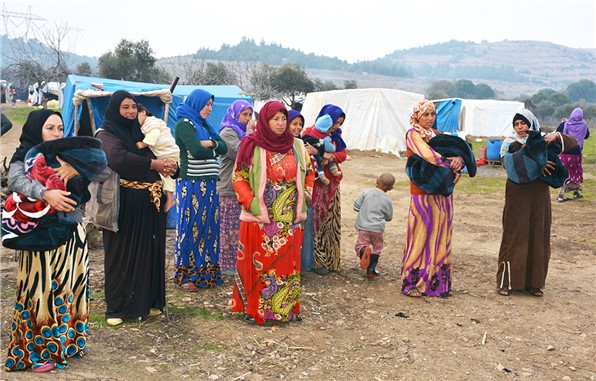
column 153, row 96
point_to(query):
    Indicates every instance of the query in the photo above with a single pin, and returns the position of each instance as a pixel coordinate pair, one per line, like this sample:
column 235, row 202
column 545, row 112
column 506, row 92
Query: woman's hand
column 59, row 200
column 551, row 137
column 310, row 149
column 548, row 168
column 457, row 177
column 165, row 167
column 65, row 171
column 456, row 163
column 208, row 143
column 251, row 126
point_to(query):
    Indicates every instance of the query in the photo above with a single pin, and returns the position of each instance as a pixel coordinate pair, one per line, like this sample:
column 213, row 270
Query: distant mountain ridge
column 512, row 68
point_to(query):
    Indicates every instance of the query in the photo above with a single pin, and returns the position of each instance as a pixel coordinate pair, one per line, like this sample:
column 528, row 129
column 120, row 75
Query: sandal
column 503, row 291
column 536, row 292
column 413, row 293
column 189, row 286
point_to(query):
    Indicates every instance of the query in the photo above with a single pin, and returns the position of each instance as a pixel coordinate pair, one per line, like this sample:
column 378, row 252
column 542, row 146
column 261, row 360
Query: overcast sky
column 349, row 30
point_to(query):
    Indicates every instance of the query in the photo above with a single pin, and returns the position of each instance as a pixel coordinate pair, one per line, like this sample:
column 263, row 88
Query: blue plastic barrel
column 493, row 149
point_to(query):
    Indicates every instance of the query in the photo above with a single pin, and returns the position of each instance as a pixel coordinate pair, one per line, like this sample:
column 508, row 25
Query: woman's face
column 278, row 123
column 128, row 108
column 296, row 126
column 521, row 128
column 207, row 109
column 336, row 125
column 53, row 128
column 427, row 119
column 245, row 116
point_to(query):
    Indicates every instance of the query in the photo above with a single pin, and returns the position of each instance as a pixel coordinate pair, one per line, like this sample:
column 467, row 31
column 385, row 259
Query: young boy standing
column 374, row 207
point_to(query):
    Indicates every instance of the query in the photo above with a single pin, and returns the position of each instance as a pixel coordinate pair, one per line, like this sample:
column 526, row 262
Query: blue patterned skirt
column 196, row 251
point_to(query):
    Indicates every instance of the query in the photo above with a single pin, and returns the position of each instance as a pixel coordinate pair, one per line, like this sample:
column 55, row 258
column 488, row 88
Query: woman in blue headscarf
column 234, row 126
column 196, row 251
column 326, row 199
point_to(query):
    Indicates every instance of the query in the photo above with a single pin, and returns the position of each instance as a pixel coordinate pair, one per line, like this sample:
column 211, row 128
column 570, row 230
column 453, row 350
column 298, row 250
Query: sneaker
column 561, row 199
column 577, row 195
column 365, row 258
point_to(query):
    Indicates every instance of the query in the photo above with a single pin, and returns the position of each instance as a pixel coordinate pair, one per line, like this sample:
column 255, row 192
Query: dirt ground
column 357, row 329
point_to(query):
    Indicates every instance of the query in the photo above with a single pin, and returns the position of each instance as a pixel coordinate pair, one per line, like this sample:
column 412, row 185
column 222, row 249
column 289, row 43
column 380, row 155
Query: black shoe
column 577, row 195
column 372, row 273
column 248, row 318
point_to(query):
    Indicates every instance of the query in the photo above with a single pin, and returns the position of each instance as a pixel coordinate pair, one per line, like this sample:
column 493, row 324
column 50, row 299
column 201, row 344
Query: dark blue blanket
column 440, row 180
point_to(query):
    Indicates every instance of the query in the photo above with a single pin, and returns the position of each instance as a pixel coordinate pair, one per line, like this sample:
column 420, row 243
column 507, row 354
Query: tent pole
column 76, row 121
column 91, row 118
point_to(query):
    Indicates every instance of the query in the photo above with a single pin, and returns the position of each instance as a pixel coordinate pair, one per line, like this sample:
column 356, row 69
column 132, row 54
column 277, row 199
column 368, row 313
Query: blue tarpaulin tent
column 448, row 116
column 86, row 100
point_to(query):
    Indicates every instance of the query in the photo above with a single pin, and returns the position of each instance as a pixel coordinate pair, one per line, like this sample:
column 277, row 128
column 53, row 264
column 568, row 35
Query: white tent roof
column 376, row 119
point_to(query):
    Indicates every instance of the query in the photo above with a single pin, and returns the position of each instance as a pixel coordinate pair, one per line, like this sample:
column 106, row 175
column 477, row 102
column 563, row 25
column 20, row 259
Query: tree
column 262, row 79
column 38, row 59
column 84, row 69
column 465, row 88
column 350, row 84
column 215, row 74
column 484, row 91
column 324, row 86
column 131, row 61
column 584, row 89
column 291, row 81
column 441, row 89
column 549, row 95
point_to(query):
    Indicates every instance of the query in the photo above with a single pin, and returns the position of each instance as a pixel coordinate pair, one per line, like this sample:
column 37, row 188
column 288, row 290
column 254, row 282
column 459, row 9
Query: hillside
column 511, row 68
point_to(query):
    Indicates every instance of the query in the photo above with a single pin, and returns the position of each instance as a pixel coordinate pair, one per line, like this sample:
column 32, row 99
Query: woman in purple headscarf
column 326, row 199
column 235, row 125
column 578, row 128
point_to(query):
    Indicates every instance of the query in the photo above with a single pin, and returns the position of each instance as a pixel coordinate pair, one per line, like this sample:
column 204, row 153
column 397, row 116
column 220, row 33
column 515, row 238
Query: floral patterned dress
column 267, row 284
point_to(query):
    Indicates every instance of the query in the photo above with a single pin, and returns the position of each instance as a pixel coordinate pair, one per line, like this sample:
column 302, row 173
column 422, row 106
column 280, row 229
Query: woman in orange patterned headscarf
column 426, row 265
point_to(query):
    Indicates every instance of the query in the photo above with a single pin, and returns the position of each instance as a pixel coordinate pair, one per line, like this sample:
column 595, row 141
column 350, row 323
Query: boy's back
column 374, row 208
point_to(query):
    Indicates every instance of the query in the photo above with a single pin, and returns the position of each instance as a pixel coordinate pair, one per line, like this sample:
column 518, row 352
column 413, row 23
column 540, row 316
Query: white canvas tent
column 376, row 119
column 477, row 117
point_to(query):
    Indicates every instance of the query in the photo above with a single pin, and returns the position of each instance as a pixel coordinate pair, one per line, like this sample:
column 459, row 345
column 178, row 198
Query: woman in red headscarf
column 272, row 181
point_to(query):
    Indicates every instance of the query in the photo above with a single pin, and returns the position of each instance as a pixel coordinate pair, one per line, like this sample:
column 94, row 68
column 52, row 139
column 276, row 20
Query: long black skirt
column 135, row 257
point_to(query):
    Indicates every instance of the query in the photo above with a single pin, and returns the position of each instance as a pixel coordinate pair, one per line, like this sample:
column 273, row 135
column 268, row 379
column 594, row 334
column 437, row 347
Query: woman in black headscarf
column 135, row 253
column 41, row 219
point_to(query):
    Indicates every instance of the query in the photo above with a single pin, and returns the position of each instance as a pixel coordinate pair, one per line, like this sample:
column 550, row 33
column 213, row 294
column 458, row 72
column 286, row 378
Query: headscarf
column 576, row 126
column 127, row 130
column 422, row 107
column 230, row 120
column 335, row 113
column 264, row 137
column 31, row 134
column 293, row 114
column 527, row 117
column 191, row 109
